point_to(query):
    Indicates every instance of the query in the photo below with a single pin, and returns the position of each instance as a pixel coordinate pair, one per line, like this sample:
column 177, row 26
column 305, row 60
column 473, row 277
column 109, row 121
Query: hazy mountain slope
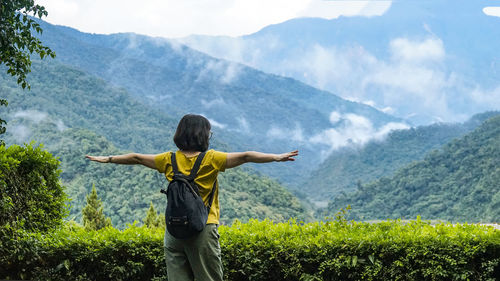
column 347, row 168
column 460, row 182
column 71, row 98
column 64, row 110
column 248, row 108
column 425, row 60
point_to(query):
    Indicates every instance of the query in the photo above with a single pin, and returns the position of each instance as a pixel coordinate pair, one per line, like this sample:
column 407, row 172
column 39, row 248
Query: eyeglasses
column 210, row 135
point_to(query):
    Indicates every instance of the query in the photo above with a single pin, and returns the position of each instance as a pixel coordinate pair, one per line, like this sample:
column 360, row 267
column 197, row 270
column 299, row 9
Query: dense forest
column 349, row 167
column 459, row 182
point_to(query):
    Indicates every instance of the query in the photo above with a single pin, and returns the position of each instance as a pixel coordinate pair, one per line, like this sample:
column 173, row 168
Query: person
column 197, row 258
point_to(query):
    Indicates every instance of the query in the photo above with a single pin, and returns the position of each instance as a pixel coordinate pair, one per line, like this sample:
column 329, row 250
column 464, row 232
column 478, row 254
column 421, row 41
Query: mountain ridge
column 448, row 53
column 239, row 101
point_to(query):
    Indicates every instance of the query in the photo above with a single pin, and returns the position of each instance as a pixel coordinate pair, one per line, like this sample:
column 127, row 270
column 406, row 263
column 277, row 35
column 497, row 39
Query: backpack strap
column 194, row 170
column 174, row 163
column 196, row 166
column 193, row 173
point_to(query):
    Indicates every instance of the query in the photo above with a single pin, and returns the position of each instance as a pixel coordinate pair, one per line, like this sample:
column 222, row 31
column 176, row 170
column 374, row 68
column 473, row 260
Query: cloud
column 217, row 124
column 430, row 49
column 278, row 133
column 227, row 72
column 170, row 18
column 329, row 9
column 36, row 117
column 351, row 129
column 32, row 115
column 219, row 101
column 414, row 80
column 492, row 11
column 244, row 126
column 488, row 99
column 60, row 125
column 20, row 133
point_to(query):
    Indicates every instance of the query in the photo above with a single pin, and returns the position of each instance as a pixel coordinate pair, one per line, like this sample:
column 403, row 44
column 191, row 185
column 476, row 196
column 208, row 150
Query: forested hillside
column 249, row 109
column 71, row 98
column 128, row 190
column 75, row 114
column 345, row 169
column 459, row 182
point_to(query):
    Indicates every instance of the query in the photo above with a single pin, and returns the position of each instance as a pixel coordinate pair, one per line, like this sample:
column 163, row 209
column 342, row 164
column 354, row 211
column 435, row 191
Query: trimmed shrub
column 31, row 195
column 262, row 250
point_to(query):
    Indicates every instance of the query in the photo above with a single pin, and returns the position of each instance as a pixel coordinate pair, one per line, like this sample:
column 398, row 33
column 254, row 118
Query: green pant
column 197, row 258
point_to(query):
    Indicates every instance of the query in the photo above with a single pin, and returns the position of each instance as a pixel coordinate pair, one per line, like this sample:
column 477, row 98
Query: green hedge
column 31, row 195
column 262, row 250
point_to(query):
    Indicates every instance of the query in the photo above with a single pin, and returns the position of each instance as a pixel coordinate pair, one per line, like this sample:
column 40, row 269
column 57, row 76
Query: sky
column 180, row 18
column 414, row 67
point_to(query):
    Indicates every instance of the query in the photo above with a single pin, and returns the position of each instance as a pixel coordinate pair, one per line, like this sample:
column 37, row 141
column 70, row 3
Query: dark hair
column 193, row 133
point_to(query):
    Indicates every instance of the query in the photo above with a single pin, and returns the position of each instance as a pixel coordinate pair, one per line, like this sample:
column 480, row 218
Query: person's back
column 198, row 257
column 213, row 163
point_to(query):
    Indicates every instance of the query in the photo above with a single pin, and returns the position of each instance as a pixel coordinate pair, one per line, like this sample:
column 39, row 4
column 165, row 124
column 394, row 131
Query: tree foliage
column 17, row 41
column 153, row 219
column 31, row 195
column 93, row 217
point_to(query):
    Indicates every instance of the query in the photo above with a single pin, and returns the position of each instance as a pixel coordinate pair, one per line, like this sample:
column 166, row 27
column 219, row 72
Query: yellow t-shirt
column 213, row 163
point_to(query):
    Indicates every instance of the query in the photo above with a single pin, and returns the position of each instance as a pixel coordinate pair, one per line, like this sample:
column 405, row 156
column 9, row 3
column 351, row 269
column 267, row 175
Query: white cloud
column 489, row 99
column 171, row 18
column 217, row 124
column 226, row 71
column 335, row 117
column 32, row 115
column 60, row 125
column 414, row 81
column 492, row 11
column 430, row 49
column 296, row 135
column 332, row 9
column 36, row 117
column 354, row 130
column 244, row 126
column 219, row 101
column 21, row 133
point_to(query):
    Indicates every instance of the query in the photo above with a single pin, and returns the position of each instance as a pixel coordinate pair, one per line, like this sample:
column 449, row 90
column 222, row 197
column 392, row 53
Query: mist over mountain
column 458, row 182
column 424, row 61
column 249, row 109
column 346, row 169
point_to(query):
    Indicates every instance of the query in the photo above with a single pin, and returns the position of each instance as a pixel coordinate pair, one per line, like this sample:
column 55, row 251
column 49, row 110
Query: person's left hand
column 100, row 159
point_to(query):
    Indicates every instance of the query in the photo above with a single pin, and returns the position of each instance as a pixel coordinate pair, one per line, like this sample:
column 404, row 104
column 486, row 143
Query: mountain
column 249, row 109
column 459, row 182
column 425, row 61
column 346, row 169
column 65, row 109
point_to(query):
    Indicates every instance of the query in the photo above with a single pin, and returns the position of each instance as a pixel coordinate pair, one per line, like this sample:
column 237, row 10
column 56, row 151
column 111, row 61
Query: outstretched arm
column 147, row 160
column 235, row 159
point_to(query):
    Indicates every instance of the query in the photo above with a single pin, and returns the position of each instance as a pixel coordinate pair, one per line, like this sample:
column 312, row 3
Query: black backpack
column 186, row 214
